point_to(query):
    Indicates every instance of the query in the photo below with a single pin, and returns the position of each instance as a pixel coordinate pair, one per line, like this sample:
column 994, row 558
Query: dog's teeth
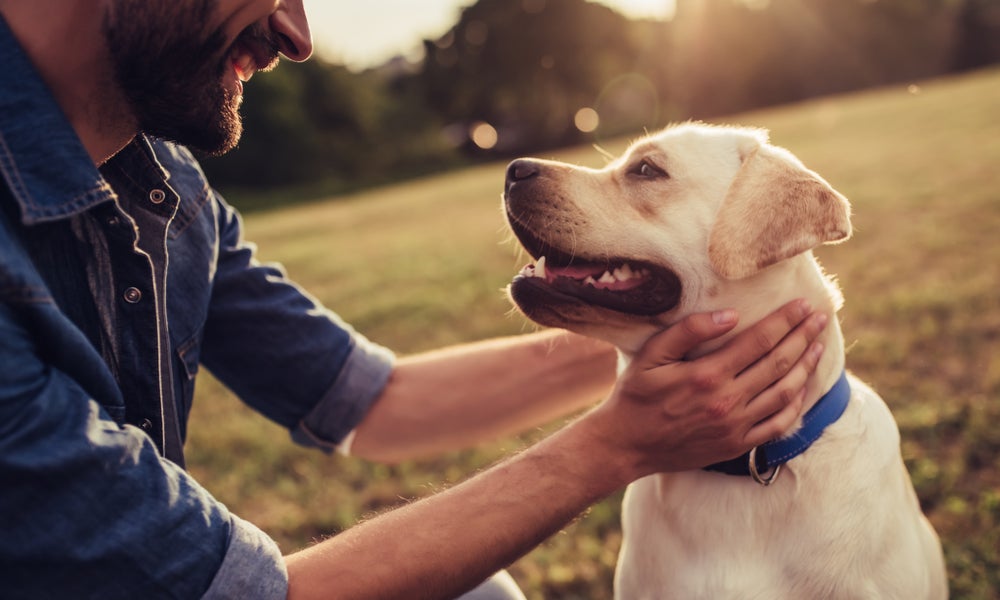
column 540, row 268
column 607, row 278
column 590, row 280
column 624, row 273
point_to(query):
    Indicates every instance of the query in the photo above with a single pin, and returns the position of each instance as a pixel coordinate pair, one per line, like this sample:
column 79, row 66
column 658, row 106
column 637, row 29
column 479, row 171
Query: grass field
column 422, row 264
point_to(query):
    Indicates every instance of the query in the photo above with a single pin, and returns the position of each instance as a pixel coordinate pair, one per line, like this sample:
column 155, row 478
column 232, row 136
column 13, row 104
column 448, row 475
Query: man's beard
column 170, row 70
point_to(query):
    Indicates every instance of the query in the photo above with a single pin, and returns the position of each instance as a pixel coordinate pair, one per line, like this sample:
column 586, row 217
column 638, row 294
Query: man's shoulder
column 19, row 280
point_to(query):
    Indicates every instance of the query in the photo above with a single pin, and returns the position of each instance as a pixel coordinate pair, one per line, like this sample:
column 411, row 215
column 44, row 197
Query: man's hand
column 668, row 414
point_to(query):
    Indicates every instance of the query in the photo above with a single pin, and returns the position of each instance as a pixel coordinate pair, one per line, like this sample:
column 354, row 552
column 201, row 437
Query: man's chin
column 210, row 137
column 221, row 144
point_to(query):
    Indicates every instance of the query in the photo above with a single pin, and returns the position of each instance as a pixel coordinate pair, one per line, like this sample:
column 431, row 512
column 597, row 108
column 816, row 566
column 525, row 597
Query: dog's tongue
column 574, row 272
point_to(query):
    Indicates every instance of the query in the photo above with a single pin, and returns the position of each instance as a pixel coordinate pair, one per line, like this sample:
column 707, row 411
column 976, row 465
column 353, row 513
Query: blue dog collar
column 763, row 462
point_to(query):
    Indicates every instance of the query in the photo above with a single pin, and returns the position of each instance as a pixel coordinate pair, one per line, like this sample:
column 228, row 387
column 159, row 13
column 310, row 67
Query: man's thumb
column 672, row 344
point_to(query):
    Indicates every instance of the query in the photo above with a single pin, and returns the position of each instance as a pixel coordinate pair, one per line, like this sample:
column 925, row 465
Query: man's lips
column 243, row 63
column 254, row 50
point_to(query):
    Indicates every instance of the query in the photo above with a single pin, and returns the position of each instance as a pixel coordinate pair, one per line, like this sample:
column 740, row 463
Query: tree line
column 519, row 76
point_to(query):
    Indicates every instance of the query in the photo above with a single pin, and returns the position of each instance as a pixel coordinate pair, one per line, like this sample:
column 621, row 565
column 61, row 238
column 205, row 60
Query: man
column 121, row 271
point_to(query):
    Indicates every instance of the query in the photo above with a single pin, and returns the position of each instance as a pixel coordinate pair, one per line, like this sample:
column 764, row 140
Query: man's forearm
column 460, row 396
column 444, row 545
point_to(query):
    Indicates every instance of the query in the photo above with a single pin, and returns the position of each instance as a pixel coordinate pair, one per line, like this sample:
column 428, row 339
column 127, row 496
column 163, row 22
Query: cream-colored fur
column 735, row 219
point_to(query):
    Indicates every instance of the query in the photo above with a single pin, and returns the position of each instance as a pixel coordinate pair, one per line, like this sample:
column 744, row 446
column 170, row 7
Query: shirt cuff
column 360, row 382
column 253, row 568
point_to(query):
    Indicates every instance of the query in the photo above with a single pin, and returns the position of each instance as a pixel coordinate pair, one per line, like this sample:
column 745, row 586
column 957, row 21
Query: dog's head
column 681, row 223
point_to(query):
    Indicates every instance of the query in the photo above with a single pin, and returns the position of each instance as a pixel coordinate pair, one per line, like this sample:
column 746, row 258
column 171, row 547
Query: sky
column 365, row 33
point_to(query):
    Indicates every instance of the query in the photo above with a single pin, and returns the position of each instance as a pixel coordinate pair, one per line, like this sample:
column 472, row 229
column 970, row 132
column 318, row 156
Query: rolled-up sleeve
column 361, row 378
column 253, row 567
column 282, row 352
column 88, row 509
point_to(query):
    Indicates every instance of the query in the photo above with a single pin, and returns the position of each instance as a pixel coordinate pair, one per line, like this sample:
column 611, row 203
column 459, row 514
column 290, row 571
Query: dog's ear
column 774, row 209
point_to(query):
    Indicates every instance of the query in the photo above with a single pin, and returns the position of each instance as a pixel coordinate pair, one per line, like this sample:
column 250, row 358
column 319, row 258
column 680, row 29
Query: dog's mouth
column 624, row 285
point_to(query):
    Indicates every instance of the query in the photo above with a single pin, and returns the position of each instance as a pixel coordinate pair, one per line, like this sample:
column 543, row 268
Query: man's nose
column 290, row 25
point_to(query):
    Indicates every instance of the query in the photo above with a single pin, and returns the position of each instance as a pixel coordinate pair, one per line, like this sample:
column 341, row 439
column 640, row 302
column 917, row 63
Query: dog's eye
column 648, row 170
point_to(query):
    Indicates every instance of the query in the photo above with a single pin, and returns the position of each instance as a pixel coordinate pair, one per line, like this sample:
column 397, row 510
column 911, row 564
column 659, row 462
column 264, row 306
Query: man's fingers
column 776, row 424
column 758, row 340
column 786, row 356
column 674, row 343
column 776, row 408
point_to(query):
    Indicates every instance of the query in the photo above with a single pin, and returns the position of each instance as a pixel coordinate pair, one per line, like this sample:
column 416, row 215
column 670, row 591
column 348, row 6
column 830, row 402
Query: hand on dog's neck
column 758, row 296
column 799, row 277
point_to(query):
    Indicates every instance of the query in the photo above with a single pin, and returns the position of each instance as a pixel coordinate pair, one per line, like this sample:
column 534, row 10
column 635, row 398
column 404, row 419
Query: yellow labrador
column 699, row 218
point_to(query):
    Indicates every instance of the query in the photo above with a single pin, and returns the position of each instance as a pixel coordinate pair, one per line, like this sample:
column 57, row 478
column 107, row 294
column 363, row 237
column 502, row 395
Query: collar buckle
column 768, row 477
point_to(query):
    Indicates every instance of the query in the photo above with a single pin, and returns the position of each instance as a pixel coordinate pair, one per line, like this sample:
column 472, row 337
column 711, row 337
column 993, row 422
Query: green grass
column 422, row 264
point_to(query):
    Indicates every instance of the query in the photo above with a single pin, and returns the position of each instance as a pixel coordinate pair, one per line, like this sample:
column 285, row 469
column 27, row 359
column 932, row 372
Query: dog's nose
column 520, row 170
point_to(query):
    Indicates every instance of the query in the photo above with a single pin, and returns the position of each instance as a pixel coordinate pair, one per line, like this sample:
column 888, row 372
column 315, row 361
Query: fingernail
column 816, row 351
column 804, row 308
column 724, row 317
column 821, row 320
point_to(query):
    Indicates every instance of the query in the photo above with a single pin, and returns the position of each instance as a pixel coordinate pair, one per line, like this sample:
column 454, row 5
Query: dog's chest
column 708, row 535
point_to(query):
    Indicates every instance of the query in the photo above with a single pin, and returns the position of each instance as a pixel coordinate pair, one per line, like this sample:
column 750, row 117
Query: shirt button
column 157, row 196
column 146, row 425
column 132, row 295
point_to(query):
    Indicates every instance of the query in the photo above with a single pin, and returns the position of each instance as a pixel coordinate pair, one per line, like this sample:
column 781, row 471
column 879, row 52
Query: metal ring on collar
column 752, row 466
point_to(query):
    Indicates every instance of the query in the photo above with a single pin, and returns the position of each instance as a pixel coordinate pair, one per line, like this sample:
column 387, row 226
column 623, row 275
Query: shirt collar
column 42, row 161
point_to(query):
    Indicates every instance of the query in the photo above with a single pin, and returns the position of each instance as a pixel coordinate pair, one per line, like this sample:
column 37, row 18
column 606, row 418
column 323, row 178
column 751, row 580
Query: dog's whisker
column 606, row 154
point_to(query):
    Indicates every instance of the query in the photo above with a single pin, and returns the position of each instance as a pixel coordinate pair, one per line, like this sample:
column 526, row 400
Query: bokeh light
column 484, row 135
column 587, row 119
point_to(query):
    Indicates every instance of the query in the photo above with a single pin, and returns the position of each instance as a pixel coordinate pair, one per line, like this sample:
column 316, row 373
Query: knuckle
column 794, row 312
column 721, row 407
column 717, row 410
column 786, row 396
column 782, row 365
column 705, row 380
column 763, row 341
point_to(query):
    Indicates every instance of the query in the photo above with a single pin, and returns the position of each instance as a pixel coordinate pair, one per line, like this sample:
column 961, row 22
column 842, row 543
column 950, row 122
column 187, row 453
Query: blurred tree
column 526, row 67
column 319, row 123
column 978, row 34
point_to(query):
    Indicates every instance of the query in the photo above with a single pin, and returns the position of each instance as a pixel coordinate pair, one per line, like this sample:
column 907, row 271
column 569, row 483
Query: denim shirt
column 115, row 285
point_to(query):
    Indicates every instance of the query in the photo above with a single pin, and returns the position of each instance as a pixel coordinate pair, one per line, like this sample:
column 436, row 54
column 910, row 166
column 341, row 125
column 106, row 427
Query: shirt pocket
column 186, row 370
